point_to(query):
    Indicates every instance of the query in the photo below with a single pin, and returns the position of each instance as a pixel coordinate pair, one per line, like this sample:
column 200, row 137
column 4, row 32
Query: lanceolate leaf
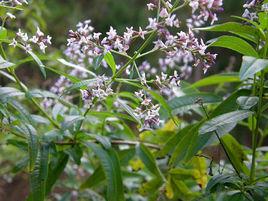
column 3, row 33
column 7, row 92
column 111, row 167
column 217, row 79
column 94, row 179
column 56, row 168
column 190, row 100
column 173, row 141
column 229, row 104
column 247, row 102
column 75, row 66
column 148, row 159
column 236, row 44
column 32, row 144
column 186, row 146
column 39, row 175
column 39, row 62
column 5, row 64
column 251, row 66
column 236, row 153
column 242, row 30
column 108, row 57
column 129, row 110
column 224, row 121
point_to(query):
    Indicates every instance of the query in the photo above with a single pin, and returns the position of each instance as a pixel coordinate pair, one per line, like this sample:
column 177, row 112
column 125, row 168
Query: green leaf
column 3, row 33
column 148, row 160
column 247, row 102
column 251, row 66
column 217, row 79
column 236, row 153
column 224, row 123
column 186, row 146
column 129, row 110
column 80, row 85
column 229, row 104
column 32, row 144
column 219, row 182
column 234, row 43
column 108, row 57
column 56, row 168
column 69, row 121
column 39, row 62
column 7, row 92
column 111, row 167
column 263, row 19
column 94, row 179
column 173, row 141
column 97, row 61
column 5, row 64
column 77, row 67
column 39, row 175
column 242, row 30
column 188, row 101
column 75, row 152
column 7, row 75
column 66, row 75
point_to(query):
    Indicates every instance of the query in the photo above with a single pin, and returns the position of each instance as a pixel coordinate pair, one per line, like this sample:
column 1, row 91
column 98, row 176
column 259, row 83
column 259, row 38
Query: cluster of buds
column 13, row 2
column 147, row 111
column 98, row 90
column 39, row 39
column 204, row 11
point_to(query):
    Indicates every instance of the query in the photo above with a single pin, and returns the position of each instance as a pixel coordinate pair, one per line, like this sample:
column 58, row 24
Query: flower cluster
column 166, row 83
column 39, row 39
column 147, row 111
column 203, row 11
column 251, row 6
column 13, row 2
column 91, row 45
column 180, row 52
column 185, row 48
column 97, row 90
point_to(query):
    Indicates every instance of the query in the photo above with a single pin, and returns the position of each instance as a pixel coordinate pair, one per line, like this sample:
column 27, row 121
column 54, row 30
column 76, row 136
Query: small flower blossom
column 111, row 34
column 39, row 39
column 152, row 23
column 151, row 6
column 98, row 90
column 13, row 43
column 206, row 10
column 10, row 15
column 147, row 112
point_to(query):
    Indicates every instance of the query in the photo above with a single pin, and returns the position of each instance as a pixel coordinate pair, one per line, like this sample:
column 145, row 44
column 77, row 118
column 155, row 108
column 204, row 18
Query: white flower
column 142, row 33
column 13, row 43
column 150, row 6
column 112, row 33
column 152, row 23
column 164, row 13
column 10, row 15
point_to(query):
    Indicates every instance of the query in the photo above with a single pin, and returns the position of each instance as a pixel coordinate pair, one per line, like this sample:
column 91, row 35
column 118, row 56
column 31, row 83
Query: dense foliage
column 122, row 121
